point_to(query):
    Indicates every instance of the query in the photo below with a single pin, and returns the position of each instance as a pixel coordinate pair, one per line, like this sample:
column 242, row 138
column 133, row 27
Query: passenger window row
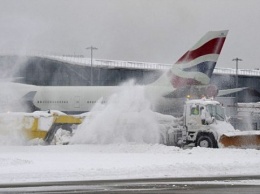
column 93, row 102
column 53, row 102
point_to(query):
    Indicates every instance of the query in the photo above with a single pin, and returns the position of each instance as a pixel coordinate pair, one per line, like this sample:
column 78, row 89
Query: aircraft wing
column 12, row 79
column 199, row 91
column 230, row 91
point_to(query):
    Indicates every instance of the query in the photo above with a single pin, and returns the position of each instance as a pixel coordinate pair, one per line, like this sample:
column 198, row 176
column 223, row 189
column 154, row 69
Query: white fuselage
column 69, row 98
column 83, row 98
column 74, row 99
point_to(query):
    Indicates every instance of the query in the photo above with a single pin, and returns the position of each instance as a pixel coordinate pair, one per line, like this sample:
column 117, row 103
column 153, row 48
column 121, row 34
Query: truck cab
column 199, row 132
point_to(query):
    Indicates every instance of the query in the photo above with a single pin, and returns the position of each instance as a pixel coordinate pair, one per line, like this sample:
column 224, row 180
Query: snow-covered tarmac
column 121, row 161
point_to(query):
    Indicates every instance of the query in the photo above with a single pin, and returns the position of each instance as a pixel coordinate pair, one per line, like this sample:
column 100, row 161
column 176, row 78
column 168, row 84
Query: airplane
column 191, row 72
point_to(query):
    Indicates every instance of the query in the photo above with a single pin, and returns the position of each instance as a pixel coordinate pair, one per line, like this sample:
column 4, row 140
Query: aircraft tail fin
column 196, row 66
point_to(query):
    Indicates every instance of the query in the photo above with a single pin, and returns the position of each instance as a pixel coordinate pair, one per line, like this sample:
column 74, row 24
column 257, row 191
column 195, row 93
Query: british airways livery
column 193, row 69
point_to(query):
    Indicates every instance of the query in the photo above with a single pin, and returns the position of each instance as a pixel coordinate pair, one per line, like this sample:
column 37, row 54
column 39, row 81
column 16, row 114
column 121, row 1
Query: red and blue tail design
column 196, row 66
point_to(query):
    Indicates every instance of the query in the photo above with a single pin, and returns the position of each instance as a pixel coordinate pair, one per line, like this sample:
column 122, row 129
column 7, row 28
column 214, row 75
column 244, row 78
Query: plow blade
column 241, row 139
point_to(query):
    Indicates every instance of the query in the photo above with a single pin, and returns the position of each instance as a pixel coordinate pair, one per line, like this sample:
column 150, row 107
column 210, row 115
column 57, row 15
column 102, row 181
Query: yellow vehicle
column 40, row 125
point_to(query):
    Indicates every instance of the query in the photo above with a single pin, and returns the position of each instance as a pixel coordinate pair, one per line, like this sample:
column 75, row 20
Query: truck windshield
column 215, row 110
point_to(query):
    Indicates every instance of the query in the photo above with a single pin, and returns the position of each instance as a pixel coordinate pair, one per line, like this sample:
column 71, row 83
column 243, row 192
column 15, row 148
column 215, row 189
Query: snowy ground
column 121, row 161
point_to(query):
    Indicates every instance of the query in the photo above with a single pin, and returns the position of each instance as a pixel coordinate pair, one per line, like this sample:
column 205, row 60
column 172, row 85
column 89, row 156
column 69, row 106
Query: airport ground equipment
column 37, row 125
column 188, row 130
column 64, row 122
column 215, row 132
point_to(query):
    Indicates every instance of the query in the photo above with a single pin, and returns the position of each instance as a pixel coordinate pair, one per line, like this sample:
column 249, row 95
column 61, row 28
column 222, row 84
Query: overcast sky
column 157, row 31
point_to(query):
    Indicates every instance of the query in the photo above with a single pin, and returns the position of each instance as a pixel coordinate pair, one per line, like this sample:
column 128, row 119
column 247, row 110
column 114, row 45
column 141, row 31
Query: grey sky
column 157, row 31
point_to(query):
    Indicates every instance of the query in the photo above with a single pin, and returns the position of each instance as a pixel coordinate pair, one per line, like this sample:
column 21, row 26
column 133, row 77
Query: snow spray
column 11, row 130
column 125, row 118
column 10, row 100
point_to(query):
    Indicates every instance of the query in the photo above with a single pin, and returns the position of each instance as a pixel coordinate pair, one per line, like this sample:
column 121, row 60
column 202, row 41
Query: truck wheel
column 205, row 141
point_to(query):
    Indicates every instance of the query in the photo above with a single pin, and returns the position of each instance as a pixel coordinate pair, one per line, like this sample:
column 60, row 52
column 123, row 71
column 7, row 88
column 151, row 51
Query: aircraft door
column 76, row 102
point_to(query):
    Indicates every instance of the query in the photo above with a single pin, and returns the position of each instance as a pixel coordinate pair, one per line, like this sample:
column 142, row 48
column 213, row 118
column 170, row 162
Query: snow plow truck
column 214, row 132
